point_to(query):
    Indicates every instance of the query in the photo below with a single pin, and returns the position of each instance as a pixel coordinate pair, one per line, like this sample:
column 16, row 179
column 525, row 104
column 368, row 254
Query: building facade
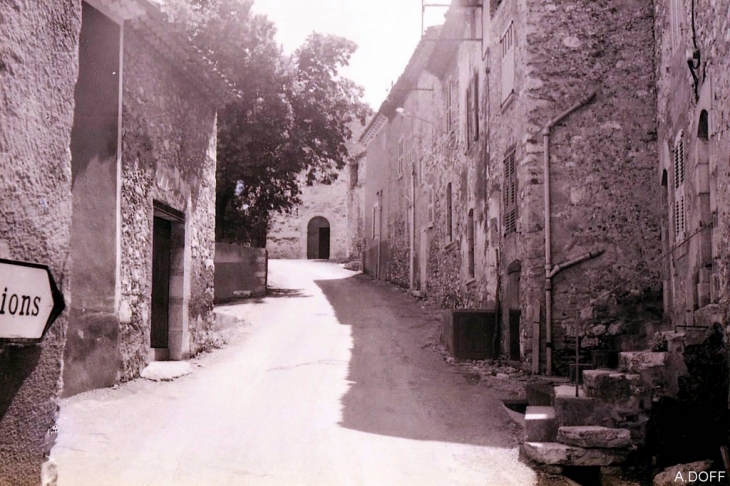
column 501, row 163
column 327, row 223
column 143, row 152
column 38, row 70
column 107, row 154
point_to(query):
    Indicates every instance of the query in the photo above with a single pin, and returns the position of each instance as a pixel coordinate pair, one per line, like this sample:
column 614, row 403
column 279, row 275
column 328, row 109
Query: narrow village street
column 332, row 379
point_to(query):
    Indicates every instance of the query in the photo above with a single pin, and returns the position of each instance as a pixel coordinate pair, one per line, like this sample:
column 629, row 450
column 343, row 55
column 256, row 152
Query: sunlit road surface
column 331, row 381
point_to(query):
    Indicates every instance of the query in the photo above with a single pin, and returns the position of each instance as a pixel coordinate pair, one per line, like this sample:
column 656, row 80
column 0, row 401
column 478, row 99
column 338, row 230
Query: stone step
column 629, row 342
column 638, row 361
column 591, row 436
column 555, row 453
column 540, row 394
column 572, row 410
column 610, row 385
column 541, row 425
column 601, row 359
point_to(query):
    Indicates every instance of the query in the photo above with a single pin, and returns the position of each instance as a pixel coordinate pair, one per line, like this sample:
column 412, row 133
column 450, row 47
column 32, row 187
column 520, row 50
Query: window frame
column 510, row 193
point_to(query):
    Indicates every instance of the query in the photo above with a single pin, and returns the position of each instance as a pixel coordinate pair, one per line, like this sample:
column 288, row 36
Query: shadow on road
column 271, row 292
column 400, row 386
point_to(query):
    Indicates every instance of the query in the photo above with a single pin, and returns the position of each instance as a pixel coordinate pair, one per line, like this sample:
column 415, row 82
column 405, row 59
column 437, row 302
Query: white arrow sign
column 29, row 301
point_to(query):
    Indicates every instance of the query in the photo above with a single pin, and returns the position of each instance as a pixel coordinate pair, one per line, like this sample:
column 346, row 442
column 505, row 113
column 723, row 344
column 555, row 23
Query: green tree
column 290, row 125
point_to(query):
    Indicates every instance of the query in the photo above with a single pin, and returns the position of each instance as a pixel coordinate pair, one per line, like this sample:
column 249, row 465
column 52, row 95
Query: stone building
column 328, row 222
column 38, row 68
column 693, row 131
column 143, row 161
column 318, row 227
column 107, row 156
column 562, row 163
column 456, row 183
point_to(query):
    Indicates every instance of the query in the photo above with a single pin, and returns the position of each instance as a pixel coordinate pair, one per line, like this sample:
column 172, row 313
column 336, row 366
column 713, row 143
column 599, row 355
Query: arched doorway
column 318, row 238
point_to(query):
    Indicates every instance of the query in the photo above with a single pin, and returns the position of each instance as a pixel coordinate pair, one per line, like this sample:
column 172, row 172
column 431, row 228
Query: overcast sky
column 386, row 31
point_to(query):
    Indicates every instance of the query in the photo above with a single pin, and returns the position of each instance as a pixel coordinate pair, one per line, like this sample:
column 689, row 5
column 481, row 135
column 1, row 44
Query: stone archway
column 318, row 238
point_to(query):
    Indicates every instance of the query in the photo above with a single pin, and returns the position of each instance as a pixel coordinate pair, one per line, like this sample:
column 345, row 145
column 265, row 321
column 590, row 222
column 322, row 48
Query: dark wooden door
column 160, row 282
column 514, row 334
column 324, row 243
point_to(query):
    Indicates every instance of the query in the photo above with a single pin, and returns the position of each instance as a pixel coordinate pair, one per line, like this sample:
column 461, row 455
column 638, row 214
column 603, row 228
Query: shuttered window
column 451, row 106
column 431, row 211
column 510, row 194
column 472, row 111
column 449, row 213
column 400, row 157
column 507, row 48
column 470, row 240
column 675, row 17
column 680, row 219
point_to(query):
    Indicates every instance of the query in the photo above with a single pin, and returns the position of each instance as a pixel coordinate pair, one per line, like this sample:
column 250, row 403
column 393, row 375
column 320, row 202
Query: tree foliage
column 290, row 125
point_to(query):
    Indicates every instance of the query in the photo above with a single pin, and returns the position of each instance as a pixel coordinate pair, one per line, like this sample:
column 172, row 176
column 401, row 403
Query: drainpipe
column 380, row 227
column 412, row 229
column 548, row 238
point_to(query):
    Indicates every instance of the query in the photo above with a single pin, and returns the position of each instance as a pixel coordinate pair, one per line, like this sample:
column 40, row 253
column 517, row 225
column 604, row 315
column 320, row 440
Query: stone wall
column 603, row 156
column 287, row 237
column 340, row 203
column 38, row 69
column 604, row 193
column 240, row 272
column 169, row 137
column 356, row 206
column 697, row 274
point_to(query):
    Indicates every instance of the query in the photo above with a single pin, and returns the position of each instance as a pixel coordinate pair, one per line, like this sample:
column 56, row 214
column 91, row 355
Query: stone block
column 572, row 410
column 541, row 425
column 629, row 342
column 604, row 359
column 540, row 394
column 608, row 385
column 638, row 361
column 565, row 455
column 595, row 436
column 682, row 474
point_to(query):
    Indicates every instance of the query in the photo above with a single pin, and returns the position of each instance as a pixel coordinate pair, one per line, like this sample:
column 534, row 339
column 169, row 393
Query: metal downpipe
column 548, row 232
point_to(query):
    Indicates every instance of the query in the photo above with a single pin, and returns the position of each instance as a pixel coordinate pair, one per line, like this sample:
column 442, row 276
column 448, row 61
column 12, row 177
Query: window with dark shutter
column 680, row 220
column 470, row 240
column 431, row 212
column 400, row 157
column 472, row 111
column 510, row 194
column 449, row 215
column 451, row 106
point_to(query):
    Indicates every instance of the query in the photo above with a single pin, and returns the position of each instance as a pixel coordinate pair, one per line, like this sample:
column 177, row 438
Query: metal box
column 470, row 333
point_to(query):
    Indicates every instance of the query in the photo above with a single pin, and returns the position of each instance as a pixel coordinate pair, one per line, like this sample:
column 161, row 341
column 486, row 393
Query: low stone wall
column 240, row 271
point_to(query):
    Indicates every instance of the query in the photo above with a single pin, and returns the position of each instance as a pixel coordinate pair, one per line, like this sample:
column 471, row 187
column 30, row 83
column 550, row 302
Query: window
column 472, row 111
column 510, row 194
column 470, row 239
column 494, row 4
column 400, row 157
column 449, row 215
column 675, row 16
column 451, row 106
column 375, row 215
column 680, row 221
column 507, row 48
column 431, row 212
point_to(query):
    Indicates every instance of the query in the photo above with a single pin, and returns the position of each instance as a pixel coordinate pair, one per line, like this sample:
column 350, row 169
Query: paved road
column 331, row 382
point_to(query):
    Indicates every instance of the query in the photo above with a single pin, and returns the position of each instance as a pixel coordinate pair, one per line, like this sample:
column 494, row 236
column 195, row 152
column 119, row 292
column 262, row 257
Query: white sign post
column 29, row 302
